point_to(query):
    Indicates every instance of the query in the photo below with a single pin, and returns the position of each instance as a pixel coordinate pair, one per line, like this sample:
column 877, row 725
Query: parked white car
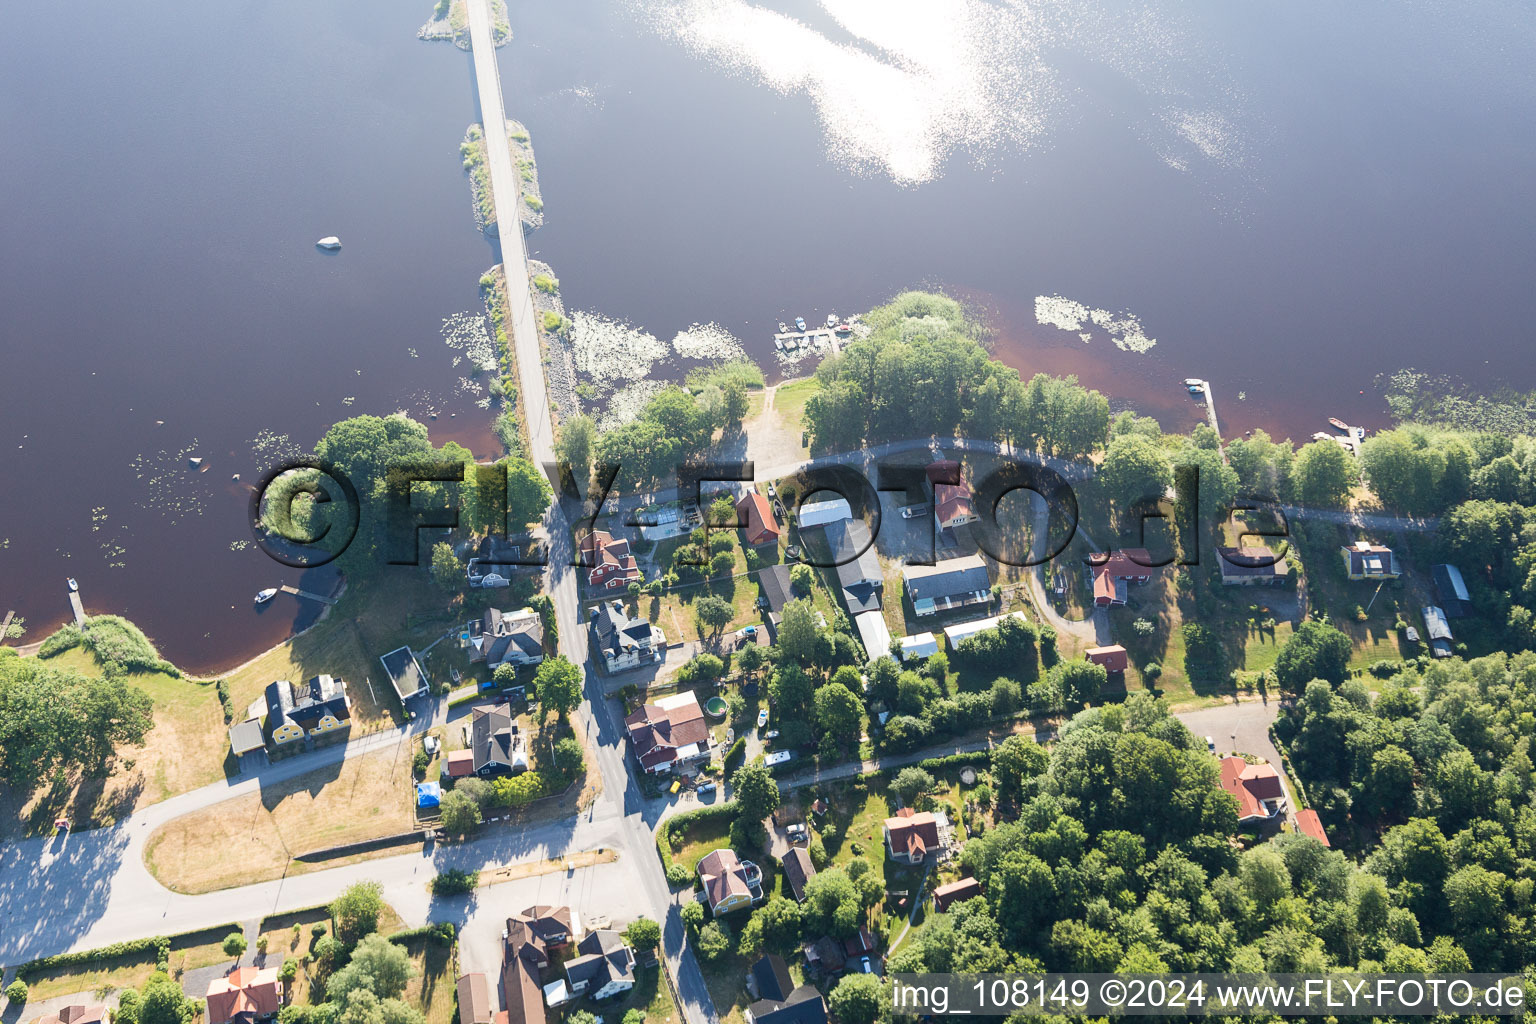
column 779, row 757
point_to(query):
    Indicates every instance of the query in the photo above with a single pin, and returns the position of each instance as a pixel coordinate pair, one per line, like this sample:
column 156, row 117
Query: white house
column 918, row 645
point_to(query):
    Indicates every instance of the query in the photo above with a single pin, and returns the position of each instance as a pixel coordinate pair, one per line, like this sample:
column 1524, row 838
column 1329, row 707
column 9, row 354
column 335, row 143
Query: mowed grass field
column 188, row 745
column 254, row 838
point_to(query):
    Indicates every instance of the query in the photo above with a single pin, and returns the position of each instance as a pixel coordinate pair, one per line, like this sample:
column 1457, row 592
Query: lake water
column 1290, row 198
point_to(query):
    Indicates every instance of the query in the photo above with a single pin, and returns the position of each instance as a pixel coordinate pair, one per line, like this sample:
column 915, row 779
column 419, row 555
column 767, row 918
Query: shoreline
column 450, row 24
column 520, row 147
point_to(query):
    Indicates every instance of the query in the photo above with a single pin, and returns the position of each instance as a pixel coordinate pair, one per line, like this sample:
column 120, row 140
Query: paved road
column 620, row 802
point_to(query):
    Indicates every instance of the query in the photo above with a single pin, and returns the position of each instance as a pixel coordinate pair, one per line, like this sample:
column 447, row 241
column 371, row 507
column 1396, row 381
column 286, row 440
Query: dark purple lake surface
column 1291, row 198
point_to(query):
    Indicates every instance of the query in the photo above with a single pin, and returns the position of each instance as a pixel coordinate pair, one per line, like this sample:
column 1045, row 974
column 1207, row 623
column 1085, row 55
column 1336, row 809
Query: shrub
column 419, row 762
column 454, row 882
column 317, row 929
column 679, row 875
column 16, row 992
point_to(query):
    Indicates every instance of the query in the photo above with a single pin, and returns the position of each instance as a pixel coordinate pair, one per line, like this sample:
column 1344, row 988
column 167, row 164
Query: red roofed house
column 77, row 1013
column 730, row 883
column 952, row 504
column 1257, row 788
column 1307, row 824
column 911, row 836
column 1113, row 571
column 1113, row 657
column 244, row 994
column 461, row 763
column 955, row 892
column 757, row 514
column 670, row 733
column 613, row 565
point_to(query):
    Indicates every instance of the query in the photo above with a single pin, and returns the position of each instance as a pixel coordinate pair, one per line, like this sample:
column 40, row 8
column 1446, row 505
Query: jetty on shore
column 296, row 592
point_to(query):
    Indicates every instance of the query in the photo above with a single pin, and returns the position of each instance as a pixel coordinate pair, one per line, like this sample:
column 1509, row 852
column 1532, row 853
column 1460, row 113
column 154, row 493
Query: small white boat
column 329, row 242
column 1192, row 382
column 262, row 597
column 74, row 588
column 783, row 327
column 800, row 323
column 831, row 319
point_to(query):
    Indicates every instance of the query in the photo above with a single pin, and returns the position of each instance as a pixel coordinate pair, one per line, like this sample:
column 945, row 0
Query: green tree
column 289, row 970
column 832, row 903
column 1079, row 681
column 756, row 794
column 528, row 493
column 1322, row 474
column 912, row 782
column 461, row 815
column 1315, row 650
column 1136, row 470
column 378, row 965
column 1014, row 761
column 161, row 1001
column 577, row 435
column 643, row 934
column 736, row 403
column 363, row 1007
column 16, row 992
column 802, row 578
column 54, row 720
column 798, row 631
column 356, row 911
column 713, row 614
column 839, row 714
column 859, row 999
column 559, row 685
column 447, row 571
column 234, row 945
column 713, row 941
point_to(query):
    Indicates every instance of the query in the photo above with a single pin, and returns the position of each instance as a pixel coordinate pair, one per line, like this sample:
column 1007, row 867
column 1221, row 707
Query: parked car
column 706, row 787
column 779, row 757
column 762, row 718
column 771, row 734
column 913, row 511
column 1210, row 744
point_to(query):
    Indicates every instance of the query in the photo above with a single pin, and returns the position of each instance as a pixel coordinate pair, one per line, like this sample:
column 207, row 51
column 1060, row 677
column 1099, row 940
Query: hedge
column 159, row 945
column 667, row 834
column 981, row 757
column 1285, row 762
column 442, row 933
column 736, row 755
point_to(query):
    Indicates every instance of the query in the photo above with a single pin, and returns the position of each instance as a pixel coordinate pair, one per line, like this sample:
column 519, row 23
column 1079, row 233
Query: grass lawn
column 700, row 839
column 188, row 746
column 673, row 610
column 432, row 989
column 789, row 402
column 651, row 996
column 253, row 838
column 189, row 951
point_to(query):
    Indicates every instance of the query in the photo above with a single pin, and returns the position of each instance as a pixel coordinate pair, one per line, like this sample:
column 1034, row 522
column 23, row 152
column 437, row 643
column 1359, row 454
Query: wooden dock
column 809, row 340
column 296, row 592
column 1210, row 414
column 74, row 602
column 5, row 627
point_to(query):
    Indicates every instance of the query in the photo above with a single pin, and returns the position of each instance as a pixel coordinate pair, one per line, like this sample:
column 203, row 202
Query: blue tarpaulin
column 428, row 794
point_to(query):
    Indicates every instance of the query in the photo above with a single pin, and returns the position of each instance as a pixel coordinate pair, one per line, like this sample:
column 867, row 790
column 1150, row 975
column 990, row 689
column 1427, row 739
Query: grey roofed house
column 769, row 978
column 246, row 736
column 1438, row 632
column 495, row 743
column 1455, row 601
column 618, row 637
column 404, row 672
column 798, row 870
column 776, row 591
column 858, row 568
column 952, row 583
column 515, row 638
column 605, row 963
column 804, row 1006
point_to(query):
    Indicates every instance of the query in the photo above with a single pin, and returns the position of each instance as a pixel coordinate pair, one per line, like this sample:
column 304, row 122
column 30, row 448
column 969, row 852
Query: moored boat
column 800, row 323
column 329, row 242
column 73, row 586
column 1338, row 424
column 263, row 596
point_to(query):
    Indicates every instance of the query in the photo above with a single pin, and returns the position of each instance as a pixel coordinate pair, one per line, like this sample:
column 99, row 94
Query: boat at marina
column 1338, row 424
column 262, row 597
column 783, row 327
column 800, row 323
column 831, row 319
column 330, row 243
column 844, row 328
column 74, row 588
column 1196, row 389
